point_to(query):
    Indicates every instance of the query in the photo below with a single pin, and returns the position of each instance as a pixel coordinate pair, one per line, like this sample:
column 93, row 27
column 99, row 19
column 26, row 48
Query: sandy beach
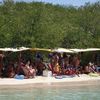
column 47, row 80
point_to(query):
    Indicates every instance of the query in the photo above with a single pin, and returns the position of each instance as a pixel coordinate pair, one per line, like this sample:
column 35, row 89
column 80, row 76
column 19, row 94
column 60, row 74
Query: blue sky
column 69, row 2
column 64, row 2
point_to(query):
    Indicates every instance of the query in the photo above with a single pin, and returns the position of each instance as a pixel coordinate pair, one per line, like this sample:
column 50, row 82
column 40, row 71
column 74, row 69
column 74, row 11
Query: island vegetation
column 37, row 24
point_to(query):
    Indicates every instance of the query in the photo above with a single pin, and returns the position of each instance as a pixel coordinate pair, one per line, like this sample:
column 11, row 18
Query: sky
column 69, row 2
column 63, row 2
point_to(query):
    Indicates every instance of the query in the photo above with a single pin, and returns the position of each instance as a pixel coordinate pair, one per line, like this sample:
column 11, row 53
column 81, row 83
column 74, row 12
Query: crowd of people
column 58, row 64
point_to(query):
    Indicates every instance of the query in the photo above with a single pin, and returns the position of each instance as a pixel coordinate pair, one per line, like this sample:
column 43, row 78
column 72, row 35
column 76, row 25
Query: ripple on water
column 84, row 92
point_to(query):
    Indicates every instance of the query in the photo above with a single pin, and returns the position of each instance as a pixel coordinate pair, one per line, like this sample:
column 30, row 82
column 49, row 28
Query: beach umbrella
column 78, row 50
column 23, row 49
column 14, row 49
column 63, row 50
column 9, row 49
column 85, row 50
column 40, row 49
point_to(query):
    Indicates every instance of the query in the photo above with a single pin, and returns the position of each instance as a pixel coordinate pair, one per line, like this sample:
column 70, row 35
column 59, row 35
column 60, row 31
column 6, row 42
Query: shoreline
column 52, row 85
column 40, row 81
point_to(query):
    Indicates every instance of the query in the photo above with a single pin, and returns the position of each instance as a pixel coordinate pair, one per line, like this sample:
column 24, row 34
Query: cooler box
column 47, row 73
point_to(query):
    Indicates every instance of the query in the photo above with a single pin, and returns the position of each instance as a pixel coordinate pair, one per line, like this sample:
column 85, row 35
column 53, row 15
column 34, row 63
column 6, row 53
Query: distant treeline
column 42, row 25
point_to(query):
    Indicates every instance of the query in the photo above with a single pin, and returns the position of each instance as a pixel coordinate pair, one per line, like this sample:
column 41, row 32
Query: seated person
column 32, row 71
column 70, row 70
column 10, row 71
column 28, row 70
column 90, row 68
column 40, row 66
column 57, row 69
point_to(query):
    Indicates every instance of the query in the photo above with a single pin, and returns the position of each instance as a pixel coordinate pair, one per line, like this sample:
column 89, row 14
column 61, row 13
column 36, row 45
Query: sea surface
column 52, row 92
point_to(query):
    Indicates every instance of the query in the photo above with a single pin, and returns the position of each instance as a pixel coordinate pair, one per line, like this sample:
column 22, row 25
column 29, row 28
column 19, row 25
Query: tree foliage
column 37, row 24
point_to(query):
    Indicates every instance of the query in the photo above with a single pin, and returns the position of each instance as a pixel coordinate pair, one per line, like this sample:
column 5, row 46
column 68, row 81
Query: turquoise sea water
column 83, row 92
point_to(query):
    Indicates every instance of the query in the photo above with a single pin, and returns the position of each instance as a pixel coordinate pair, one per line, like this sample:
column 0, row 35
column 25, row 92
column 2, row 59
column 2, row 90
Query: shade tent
column 85, row 50
column 61, row 50
column 24, row 49
column 14, row 49
column 40, row 49
column 9, row 49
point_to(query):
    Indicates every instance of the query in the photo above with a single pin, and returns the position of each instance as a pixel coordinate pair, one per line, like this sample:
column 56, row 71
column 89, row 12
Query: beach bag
column 20, row 77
